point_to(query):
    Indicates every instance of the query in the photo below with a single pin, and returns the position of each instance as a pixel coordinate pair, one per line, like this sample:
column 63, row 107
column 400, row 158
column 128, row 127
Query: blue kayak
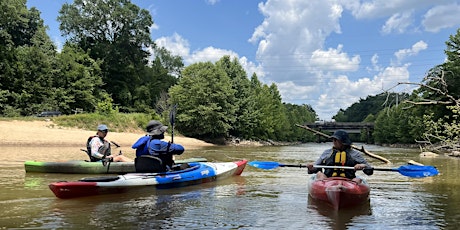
column 197, row 173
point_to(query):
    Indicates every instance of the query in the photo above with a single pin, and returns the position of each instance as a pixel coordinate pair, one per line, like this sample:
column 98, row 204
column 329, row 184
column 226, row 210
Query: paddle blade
column 417, row 170
column 264, row 164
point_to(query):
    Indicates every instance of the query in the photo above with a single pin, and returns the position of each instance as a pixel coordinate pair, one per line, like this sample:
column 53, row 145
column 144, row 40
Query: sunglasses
column 104, row 131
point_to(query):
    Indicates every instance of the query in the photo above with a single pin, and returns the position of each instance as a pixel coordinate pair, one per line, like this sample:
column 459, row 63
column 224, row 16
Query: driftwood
column 353, row 146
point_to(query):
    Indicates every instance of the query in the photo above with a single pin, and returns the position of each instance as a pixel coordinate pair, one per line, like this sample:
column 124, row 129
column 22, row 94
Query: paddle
column 405, row 170
column 172, row 116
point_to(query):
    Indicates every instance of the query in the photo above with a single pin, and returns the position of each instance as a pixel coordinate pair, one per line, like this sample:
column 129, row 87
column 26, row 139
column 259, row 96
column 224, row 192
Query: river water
column 258, row 199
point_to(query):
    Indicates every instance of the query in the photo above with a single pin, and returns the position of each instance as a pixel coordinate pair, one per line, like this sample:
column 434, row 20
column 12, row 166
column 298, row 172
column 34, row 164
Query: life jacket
column 160, row 149
column 104, row 149
column 339, row 158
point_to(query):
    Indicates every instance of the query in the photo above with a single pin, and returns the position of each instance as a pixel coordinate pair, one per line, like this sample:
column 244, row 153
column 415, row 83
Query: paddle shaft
column 333, row 167
column 317, row 166
column 172, row 117
column 349, row 167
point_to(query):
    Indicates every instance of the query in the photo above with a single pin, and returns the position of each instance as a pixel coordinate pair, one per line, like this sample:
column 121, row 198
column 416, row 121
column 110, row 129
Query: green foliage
column 205, row 97
column 79, row 80
column 358, row 111
column 119, row 122
column 27, row 59
column 399, row 125
column 299, row 115
column 218, row 100
column 444, row 131
column 105, row 107
column 117, row 32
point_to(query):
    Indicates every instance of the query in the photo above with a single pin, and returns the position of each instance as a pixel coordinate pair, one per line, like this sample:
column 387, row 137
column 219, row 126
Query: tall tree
column 205, row 99
column 358, row 111
column 78, row 80
column 245, row 106
column 27, row 56
column 116, row 32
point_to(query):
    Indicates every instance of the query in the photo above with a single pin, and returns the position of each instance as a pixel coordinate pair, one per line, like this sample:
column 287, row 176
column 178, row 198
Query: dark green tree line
column 219, row 100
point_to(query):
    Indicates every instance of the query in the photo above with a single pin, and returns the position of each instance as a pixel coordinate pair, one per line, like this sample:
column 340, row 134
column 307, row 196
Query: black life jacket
column 340, row 158
column 161, row 151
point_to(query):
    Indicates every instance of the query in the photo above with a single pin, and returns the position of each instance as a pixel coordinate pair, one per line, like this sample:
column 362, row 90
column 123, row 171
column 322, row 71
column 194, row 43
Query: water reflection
column 342, row 218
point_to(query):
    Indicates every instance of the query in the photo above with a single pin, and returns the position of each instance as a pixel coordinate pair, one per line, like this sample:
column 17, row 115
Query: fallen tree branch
column 353, row 146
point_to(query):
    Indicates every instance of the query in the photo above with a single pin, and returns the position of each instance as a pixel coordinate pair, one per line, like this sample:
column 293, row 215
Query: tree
column 205, row 101
column 298, row 114
column 358, row 111
column 78, row 80
column 245, row 107
column 27, row 56
column 116, row 32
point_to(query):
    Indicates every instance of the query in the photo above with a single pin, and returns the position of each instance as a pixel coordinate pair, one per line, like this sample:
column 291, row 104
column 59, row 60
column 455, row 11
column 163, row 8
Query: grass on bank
column 116, row 122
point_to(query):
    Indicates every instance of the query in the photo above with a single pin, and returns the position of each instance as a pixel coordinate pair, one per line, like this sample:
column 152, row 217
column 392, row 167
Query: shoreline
column 46, row 133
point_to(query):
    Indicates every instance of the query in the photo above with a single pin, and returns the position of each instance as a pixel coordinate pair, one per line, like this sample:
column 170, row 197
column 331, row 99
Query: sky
column 325, row 53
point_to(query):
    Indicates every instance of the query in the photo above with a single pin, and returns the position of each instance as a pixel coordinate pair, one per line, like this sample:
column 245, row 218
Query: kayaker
column 159, row 148
column 100, row 149
column 142, row 146
column 341, row 154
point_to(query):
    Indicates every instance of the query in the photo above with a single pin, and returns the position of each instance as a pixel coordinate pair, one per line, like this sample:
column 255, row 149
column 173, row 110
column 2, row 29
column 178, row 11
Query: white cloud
column 375, row 63
column 334, row 60
column 251, row 68
column 290, row 33
column 212, row 2
column 293, row 91
column 414, row 50
column 398, row 22
column 342, row 92
column 400, row 13
column 386, row 8
column 177, row 45
column 209, row 54
column 440, row 17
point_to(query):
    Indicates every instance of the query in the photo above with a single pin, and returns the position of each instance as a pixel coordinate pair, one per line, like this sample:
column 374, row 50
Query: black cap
column 342, row 136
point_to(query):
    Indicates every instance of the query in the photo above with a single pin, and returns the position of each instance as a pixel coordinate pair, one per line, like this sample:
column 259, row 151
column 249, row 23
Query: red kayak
column 338, row 191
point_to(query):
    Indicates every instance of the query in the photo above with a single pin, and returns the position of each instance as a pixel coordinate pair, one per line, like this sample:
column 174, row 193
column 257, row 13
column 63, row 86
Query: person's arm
column 361, row 163
column 176, row 149
column 140, row 142
column 319, row 161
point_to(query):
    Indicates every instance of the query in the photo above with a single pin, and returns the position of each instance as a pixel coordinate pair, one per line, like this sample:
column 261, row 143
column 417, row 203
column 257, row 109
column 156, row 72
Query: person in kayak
column 341, row 154
column 142, row 145
column 99, row 148
column 159, row 148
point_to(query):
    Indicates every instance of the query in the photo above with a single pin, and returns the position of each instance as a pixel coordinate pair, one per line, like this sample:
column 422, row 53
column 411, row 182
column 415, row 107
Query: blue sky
column 327, row 54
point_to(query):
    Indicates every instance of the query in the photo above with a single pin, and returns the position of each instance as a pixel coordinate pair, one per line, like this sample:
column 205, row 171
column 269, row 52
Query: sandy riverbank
column 46, row 133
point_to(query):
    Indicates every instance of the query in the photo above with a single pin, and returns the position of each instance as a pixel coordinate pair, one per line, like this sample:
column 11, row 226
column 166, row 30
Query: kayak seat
column 148, row 164
column 180, row 167
column 100, row 179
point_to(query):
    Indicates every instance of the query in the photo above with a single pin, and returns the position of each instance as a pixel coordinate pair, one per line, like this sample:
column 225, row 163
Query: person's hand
column 310, row 168
column 360, row 166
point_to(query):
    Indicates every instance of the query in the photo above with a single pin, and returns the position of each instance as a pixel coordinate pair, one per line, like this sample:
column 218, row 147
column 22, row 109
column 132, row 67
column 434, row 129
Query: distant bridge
column 350, row 127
